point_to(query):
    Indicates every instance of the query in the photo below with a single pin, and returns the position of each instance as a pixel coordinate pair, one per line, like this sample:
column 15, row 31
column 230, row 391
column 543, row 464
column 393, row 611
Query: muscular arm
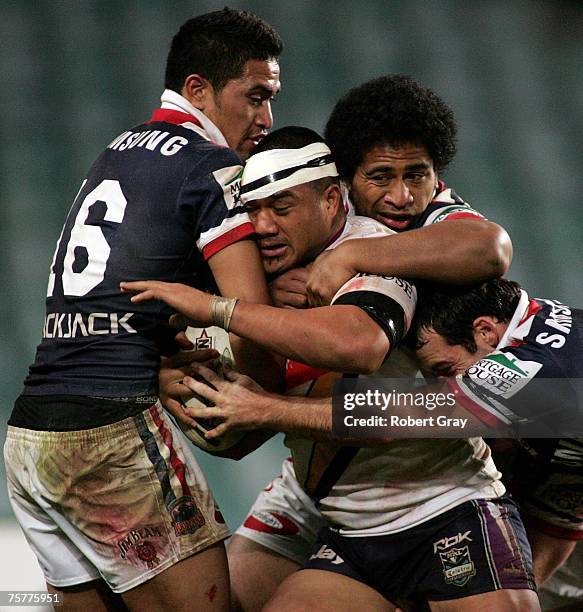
column 241, row 405
column 340, row 337
column 245, row 405
column 453, row 251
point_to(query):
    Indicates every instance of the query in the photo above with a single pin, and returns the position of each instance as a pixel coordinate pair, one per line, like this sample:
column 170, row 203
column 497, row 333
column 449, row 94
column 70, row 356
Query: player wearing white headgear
column 361, row 332
column 332, row 474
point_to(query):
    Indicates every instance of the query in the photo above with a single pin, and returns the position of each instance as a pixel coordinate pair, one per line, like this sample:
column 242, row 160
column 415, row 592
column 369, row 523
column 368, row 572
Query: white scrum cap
column 270, row 172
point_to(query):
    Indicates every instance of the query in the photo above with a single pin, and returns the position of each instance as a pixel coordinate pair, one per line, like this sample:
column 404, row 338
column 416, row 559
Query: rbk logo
column 447, row 542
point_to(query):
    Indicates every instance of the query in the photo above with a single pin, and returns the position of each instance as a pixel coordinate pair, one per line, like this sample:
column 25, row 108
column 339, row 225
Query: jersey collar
column 178, row 110
column 521, row 321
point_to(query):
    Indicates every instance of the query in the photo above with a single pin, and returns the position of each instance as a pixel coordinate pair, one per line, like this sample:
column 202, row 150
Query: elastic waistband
column 116, row 431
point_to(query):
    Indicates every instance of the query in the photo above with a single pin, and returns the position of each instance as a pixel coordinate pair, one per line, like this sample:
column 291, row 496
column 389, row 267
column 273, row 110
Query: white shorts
column 121, row 502
column 284, row 518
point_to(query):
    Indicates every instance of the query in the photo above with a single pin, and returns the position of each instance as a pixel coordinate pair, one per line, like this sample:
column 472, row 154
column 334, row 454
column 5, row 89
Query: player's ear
column 197, row 90
column 486, row 331
column 333, row 199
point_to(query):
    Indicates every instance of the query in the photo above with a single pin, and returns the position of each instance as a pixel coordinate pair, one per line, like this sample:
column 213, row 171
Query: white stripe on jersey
column 173, row 100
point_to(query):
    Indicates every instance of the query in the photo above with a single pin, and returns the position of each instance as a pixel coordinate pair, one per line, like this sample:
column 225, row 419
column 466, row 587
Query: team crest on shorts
column 186, row 517
column 457, row 566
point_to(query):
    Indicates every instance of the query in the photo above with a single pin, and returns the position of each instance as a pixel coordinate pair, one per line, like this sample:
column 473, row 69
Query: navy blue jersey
column 446, row 204
column 513, row 384
column 542, row 344
column 156, row 204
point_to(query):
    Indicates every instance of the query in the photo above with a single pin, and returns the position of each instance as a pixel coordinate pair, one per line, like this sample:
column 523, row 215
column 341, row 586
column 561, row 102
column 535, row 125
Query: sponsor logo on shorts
column 452, row 541
column 146, row 552
column 271, row 522
column 457, row 566
column 325, row 552
column 139, row 541
column 186, row 517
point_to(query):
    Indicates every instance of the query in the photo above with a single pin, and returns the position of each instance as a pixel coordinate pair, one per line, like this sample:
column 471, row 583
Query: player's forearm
column 345, row 339
column 310, row 417
column 454, row 251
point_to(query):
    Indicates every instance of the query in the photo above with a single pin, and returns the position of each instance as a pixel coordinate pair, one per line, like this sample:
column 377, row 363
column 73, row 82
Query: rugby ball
column 218, row 339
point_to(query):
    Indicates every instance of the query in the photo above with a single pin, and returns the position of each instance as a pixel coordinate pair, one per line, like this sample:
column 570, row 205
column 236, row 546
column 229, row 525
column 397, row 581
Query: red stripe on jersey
column 173, row 116
column 245, row 230
column 175, row 461
column 297, row 374
column 464, row 214
column 472, row 407
column 533, row 308
column 563, row 533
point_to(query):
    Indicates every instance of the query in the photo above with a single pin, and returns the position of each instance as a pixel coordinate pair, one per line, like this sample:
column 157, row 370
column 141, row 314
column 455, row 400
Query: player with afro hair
column 392, row 138
column 404, row 112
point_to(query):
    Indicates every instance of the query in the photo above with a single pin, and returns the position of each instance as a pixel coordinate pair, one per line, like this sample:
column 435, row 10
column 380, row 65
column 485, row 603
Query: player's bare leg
column 200, row 582
column 95, row 596
column 548, row 553
column 508, row 600
column 256, row 572
column 322, row 591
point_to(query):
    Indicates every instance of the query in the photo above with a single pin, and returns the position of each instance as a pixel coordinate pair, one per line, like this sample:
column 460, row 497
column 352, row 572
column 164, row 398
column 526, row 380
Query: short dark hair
column 451, row 310
column 289, row 137
column 217, row 46
column 391, row 110
column 295, row 137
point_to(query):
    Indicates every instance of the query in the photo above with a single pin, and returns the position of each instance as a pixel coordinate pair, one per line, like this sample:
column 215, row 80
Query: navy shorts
column 477, row 547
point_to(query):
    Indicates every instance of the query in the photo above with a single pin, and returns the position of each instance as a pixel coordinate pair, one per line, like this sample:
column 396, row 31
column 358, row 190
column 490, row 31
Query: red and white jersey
column 386, row 489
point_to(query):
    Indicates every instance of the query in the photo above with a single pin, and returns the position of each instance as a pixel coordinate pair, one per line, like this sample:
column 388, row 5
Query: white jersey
column 390, row 488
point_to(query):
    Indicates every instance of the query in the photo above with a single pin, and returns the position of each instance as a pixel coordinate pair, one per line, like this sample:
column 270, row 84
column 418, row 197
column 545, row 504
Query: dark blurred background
column 74, row 74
